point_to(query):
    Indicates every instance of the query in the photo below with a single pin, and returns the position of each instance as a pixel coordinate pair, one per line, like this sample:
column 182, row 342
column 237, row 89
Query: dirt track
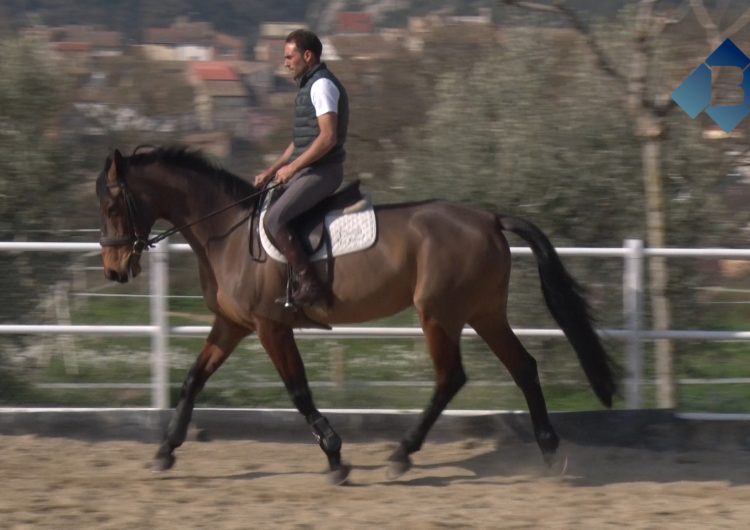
column 61, row 483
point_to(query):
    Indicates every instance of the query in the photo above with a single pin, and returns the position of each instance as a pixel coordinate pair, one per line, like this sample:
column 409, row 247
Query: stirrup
column 288, row 300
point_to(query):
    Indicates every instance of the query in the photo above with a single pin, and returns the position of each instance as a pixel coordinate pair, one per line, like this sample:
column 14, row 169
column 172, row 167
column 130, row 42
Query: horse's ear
column 115, row 165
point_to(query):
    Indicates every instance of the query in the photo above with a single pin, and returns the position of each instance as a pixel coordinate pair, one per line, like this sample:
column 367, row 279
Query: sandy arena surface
column 62, row 483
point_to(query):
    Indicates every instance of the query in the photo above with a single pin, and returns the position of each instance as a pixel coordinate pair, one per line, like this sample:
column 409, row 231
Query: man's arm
column 323, row 143
column 261, row 178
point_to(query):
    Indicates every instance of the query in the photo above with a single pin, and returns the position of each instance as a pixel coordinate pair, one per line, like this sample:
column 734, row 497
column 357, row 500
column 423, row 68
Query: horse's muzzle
column 115, row 276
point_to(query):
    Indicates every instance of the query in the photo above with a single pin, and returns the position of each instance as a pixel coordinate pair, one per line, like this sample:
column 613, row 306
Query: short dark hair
column 306, row 40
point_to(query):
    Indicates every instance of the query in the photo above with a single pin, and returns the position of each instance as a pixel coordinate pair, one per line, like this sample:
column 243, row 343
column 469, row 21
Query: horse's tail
column 565, row 301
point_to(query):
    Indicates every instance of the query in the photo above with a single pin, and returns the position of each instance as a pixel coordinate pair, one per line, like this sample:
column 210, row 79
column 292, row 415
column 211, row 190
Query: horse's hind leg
column 222, row 340
column 449, row 376
column 278, row 340
column 522, row 367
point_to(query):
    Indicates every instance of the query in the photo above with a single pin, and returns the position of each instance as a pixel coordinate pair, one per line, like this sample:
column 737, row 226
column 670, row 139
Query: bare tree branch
column 559, row 7
column 637, row 79
column 738, row 24
column 660, row 22
column 714, row 34
column 666, row 104
column 646, row 32
column 721, row 9
column 705, row 20
column 602, row 59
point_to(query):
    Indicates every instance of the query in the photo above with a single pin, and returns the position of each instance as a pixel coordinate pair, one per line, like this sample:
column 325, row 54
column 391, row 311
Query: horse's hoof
column 398, row 467
column 338, row 476
column 163, row 463
column 557, row 464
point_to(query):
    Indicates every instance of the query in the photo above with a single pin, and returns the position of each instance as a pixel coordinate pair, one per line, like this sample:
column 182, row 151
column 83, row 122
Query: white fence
column 633, row 253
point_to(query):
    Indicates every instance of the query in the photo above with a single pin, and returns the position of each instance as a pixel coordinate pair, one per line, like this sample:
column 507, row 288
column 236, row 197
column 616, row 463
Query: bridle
column 141, row 241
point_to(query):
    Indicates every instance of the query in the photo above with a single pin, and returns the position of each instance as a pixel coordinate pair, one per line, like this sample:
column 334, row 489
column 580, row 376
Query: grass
column 342, row 372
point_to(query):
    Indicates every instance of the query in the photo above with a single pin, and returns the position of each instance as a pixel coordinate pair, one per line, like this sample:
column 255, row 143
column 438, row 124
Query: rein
column 142, row 242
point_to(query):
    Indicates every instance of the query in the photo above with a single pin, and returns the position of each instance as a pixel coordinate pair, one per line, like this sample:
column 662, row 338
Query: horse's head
column 123, row 221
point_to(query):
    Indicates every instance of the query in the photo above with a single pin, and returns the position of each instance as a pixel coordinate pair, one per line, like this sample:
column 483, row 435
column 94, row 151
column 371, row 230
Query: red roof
column 354, row 22
column 214, row 71
column 181, row 33
column 72, row 46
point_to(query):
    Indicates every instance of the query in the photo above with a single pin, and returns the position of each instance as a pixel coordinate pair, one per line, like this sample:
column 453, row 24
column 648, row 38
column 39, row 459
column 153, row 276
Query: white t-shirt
column 324, row 96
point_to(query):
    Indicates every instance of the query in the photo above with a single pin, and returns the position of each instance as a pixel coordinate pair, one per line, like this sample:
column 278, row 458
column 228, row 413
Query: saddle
column 311, row 226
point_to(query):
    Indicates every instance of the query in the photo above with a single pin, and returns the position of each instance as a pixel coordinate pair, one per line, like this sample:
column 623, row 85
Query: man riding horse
column 450, row 262
column 311, row 167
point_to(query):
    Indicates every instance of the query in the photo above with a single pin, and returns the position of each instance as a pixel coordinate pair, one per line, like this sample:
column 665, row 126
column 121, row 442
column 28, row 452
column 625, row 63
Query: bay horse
column 451, row 262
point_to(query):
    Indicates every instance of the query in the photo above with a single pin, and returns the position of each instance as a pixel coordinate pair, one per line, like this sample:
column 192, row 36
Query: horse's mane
column 197, row 165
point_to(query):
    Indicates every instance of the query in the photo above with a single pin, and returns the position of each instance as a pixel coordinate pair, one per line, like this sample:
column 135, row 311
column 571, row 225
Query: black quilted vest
column 306, row 123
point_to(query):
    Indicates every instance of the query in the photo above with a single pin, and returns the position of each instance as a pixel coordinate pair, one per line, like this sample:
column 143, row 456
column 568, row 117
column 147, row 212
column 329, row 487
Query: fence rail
column 632, row 252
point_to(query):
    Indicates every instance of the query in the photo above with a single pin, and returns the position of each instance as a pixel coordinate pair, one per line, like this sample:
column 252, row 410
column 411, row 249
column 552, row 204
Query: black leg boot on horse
column 310, row 291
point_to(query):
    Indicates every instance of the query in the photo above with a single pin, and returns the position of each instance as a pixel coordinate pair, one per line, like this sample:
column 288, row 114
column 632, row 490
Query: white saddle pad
column 349, row 233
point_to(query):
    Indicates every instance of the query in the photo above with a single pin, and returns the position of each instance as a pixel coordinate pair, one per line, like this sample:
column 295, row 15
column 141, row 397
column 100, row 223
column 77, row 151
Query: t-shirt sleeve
column 324, row 96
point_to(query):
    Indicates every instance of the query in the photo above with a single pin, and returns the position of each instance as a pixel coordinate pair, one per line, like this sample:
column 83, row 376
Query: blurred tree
column 540, row 130
column 34, row 178
column 155, row 88
column 646, row 88
column 145, row 102
column 132, row 17
column 391, row 96
column 32, row 95
column 531, row 130
column 510, row 134
column 35, row 183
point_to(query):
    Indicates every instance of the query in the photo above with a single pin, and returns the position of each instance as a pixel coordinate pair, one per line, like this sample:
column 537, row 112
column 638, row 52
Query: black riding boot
column 310, row 290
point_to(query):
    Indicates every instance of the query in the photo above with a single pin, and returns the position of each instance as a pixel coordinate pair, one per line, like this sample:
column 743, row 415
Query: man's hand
column 285, row 173
column 261, row 178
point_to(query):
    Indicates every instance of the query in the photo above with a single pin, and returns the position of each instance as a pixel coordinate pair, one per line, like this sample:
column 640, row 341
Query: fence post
column 159, row 286
column 633, row 312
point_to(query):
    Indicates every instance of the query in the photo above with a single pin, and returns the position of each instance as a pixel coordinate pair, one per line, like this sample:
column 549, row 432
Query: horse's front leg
column 278, row 340
column 223, row 339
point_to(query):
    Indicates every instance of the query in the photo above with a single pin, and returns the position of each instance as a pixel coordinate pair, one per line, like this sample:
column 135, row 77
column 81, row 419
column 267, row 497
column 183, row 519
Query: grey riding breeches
column 303, row 191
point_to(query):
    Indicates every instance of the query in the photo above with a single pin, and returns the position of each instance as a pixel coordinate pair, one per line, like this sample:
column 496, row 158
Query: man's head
column 301, row 52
